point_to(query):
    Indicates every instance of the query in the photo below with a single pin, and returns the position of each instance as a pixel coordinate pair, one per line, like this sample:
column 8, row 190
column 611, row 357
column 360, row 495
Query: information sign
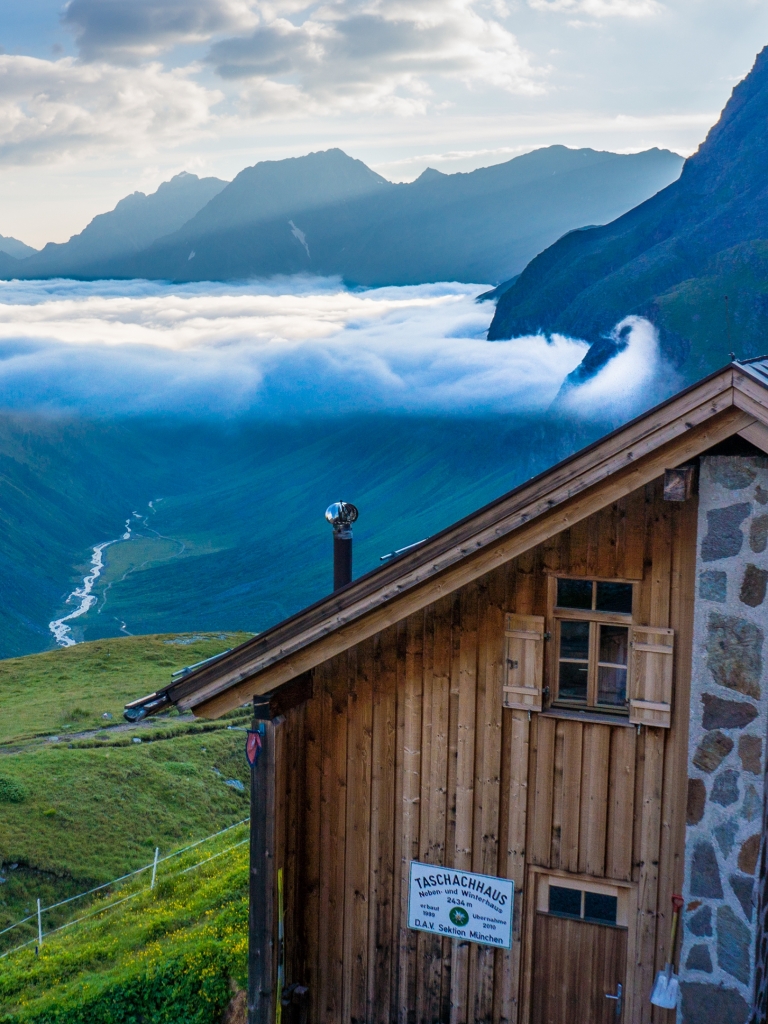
column 461, row 904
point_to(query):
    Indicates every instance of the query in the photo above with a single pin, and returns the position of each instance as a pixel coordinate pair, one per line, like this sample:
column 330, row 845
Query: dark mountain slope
column 671, row 259
column 10, row 266
column 481, row 226
column 134, row 224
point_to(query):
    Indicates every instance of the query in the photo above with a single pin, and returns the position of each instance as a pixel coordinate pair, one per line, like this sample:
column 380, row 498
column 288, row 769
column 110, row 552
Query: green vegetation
column 176, row 953
column 82, row 802
column 696, row 309
column 71, row 689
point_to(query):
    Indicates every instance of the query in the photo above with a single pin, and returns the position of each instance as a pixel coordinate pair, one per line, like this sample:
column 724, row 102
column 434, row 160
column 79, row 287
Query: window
column 595, row 901
column 591, row 626
column 588, row 906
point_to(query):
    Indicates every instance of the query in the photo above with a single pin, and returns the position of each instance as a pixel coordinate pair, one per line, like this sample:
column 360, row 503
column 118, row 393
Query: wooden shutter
column 524, row 661
column 650, row 677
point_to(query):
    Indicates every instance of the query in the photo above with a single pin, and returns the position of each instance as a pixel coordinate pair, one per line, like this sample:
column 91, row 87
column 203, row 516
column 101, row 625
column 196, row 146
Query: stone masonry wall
column 726, row 755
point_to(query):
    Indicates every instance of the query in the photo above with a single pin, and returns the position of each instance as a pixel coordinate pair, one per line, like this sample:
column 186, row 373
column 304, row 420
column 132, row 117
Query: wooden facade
column 405, row 752
column 418, row 715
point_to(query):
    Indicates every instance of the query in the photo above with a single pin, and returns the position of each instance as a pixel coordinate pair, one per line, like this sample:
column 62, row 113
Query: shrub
column 11, row 791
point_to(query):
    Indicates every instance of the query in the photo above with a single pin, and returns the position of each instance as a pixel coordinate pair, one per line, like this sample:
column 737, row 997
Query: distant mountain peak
column 430, row 174
column 13, row 247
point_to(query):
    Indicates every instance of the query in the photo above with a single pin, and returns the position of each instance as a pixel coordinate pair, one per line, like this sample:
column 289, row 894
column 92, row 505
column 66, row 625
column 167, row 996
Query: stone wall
column 727, row 757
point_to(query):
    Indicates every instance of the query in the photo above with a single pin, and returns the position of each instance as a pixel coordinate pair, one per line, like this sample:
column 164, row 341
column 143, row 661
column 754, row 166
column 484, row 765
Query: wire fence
column 116, row 881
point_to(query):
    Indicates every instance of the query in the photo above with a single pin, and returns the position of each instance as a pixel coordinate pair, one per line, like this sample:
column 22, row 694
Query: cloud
column 600, row 8
column 376, row 55
column 50, row 109
column 131, row 30
column 284, row 348
column 623, row 386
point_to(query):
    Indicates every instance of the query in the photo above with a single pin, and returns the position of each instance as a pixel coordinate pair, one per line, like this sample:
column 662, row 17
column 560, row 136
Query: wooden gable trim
column 757, row 434
column 695, row 429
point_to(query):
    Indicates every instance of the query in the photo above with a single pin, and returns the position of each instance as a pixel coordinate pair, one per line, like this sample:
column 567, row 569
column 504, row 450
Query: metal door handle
column 617, row 997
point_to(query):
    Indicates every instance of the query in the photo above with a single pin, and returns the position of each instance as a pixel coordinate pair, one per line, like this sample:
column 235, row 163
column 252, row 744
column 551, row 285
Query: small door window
column 597, row 907
column 596, row 902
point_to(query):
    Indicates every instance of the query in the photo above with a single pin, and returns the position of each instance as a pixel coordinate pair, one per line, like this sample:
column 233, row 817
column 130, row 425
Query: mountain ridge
column 649, row 260
column 466, row 227
column 134, row 222
column 13, row 247
column 329, row 214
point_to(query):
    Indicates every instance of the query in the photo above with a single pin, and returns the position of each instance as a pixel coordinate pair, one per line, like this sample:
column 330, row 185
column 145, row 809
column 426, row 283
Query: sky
column 99, row 98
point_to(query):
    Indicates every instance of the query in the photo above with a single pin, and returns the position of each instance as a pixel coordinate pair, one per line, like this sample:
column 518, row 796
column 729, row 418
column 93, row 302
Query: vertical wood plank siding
column 405, row 752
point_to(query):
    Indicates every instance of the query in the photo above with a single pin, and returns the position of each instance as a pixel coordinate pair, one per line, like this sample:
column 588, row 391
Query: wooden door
column 576, row 965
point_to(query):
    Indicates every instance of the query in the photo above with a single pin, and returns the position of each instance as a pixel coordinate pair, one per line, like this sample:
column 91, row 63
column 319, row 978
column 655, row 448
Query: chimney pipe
column 341, row 515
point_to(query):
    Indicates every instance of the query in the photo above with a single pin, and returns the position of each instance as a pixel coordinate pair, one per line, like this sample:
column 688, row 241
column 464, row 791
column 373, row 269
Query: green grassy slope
column 696, row 310
column 82, row 803
column 176, row 953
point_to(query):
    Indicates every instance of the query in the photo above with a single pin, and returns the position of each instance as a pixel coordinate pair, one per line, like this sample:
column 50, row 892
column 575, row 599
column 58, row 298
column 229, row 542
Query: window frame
column 556, row 615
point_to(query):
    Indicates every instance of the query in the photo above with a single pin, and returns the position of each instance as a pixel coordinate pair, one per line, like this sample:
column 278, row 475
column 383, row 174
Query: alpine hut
column 487, row 767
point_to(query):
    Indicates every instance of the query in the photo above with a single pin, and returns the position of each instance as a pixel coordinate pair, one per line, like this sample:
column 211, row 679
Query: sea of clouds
column 298, row 346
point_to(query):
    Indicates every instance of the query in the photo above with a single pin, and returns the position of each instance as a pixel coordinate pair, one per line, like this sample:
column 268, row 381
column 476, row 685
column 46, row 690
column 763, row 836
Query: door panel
column 576, row 963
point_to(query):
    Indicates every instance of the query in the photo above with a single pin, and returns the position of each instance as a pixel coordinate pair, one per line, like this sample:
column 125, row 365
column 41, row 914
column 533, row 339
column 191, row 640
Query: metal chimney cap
column 341, row 513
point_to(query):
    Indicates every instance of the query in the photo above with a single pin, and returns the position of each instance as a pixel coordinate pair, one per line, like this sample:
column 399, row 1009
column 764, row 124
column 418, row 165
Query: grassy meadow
column 81, row 802
column 175, row 953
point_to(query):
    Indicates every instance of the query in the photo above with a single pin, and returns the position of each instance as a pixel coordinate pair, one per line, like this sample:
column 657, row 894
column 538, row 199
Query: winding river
column 83, row 597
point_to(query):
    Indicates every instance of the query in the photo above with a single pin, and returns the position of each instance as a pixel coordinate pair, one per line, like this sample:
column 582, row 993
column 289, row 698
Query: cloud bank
column 50, row 109
column 117, row 30
column 380, row 54
column 288, row 348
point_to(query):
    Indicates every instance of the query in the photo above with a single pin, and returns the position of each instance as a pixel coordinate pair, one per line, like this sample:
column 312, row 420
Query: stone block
column 726, row 788
column 714, row 747
column 726, row 714
column 751, row 753
column 725, row 835
column 713, row 585
column 724, row 537
column 753, row 586
column 734, row 653
column 748, row 854
column 707, row 1003
column 699, row 959
column 743, row 887
column 697, row 799
column 733, row 944
column 700, row 923
column 758, row 533
column 752, row 805
column 705, row 874
column 732, row 474
column 761, row 495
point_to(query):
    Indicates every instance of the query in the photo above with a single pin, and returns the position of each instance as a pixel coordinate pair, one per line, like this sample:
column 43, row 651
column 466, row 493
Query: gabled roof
column 732, row 401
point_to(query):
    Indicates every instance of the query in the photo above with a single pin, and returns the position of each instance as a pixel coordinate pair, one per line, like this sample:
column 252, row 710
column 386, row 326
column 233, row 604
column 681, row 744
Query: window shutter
column 650, row 679
column 524, row 662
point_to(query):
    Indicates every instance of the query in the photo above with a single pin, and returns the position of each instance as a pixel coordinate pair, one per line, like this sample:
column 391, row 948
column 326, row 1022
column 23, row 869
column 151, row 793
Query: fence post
column 154, row 868
column 39, row 923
